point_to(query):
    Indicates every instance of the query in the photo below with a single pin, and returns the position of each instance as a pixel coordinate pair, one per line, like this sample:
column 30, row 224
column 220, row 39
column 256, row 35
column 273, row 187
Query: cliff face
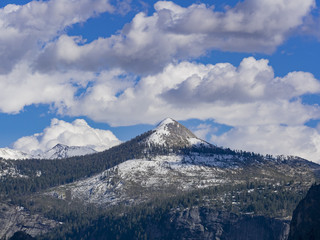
column 14, row 219
column 204, row 223
column 306, row 217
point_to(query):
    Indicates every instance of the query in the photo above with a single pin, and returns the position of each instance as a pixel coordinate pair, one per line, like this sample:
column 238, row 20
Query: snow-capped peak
column 63, row 151
column 57, row 152
column 166, row 122
column 171, row 133
column 8, row 153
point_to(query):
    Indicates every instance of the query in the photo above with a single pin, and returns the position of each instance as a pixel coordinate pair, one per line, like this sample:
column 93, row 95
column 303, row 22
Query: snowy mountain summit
column 8, row 153
column 170, row 133
column 63, row 151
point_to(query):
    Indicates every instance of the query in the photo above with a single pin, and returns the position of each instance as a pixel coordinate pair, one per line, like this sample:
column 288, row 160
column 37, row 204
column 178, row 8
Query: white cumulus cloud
column 26, row 29
column 148, row 43
column 77, row 133
column 249, row 94
column 23, row 87
column 33, row 41
column 299, row 141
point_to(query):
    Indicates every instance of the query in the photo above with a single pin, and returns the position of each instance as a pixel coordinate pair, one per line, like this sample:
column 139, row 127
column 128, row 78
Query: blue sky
column 243, row 75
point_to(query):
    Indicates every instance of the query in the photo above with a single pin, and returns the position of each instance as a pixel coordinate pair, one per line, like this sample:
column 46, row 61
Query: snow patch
column 160, row 131
column 132, row 178
column 9, row 170
column 197, row 142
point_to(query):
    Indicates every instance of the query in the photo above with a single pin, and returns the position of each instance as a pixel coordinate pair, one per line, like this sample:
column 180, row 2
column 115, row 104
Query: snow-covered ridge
column 171, row 133
column 8, row 153
column 57, row 152
column 63, row 151
column 184, row 171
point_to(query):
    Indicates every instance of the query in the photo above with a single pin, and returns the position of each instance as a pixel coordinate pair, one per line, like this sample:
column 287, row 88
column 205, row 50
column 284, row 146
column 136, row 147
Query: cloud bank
column 148, row 43
column 77, row 133
column 27, row 29
column 299, row 141
column 249, row 94
column 41, row 64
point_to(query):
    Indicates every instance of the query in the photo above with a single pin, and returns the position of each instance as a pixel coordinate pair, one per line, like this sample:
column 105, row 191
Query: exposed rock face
column 14, row 219
column 305, row 224
column 204, row 223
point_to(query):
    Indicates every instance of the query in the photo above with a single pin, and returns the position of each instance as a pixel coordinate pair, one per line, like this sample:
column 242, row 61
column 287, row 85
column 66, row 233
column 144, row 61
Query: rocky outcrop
column 14, row 219
column 305, row 224
column 204, row 223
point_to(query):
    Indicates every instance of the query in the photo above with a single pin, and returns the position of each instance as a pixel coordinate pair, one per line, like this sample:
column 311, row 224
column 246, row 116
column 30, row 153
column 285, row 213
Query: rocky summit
column 170, row 133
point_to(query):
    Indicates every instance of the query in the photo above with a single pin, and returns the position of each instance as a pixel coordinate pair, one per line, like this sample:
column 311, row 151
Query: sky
column 239, row 74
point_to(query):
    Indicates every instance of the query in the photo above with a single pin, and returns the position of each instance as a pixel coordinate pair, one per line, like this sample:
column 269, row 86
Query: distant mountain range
column 57, row 152
column 164, row 184
column 8, row 153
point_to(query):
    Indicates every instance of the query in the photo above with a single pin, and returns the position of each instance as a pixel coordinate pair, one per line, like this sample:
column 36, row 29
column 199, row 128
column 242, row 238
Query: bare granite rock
column 206, row 223
column 15, row 218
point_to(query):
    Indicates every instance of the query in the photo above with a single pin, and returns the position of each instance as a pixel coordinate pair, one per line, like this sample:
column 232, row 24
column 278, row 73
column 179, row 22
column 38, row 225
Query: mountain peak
column 63, row 151
column 7, row 153
column 60, row 146
column 171, row 133
column 57, row 152
column 167, row 121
